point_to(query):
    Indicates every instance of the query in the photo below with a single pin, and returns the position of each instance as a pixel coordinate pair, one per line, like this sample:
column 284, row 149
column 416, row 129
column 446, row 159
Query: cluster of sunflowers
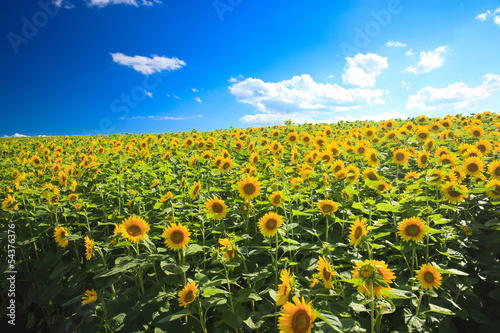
column 351, row 226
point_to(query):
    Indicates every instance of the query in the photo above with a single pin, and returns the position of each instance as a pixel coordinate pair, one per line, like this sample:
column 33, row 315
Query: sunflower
column 473, row 166
column 36, row 161
column 477, row 132
column 216, row 208
column 429, row 277
column 298, row 317
column 429, row 144
column 494, row 192
column 188, row 142
column 285, row 287
column 306, row 138
column 484, row 146
column 176, row 236
column 134, row 228
column 276, row 199
column 454, row 192
column 459, row 174
column 358, row 229
column 373, row 272
column 371, row 158
column 166, row 197
column 90, row 297
column 296, row 183
column 360, row 148
column 472, row 152
column 188, row 294
column 292, row 137
column 435, row 176
column 382, row 187
column 89, row 247
column 225, row 164
column 227, row 248
column 326, row 157
column 325, row 272
column 249, row 188
column 352, row 174
column 413, row 228
column 72, row 197
column 494, row 169
column 334, row 149
column 9, row 203
column 327, row 207
column 370, row 174
column 269, row 224
column 195, row 190
column 411, row 175
column 422, row 133
column 59, row 235
column 400, row 156
column 447, row 159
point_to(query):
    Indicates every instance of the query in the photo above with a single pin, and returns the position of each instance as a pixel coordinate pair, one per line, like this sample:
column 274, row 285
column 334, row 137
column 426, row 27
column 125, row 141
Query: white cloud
column 198, row 99
column 145, row 65
column 330, row 76
column 405, row 85
column 150, row 94
column 455, row 96
column 161, row 117
column 236, row 79
column 428, row 61
column 176, row 97
column 300, row 99
column 362, row 69
column 194, row 89
column 410, row 52
column 496, row 17
column 395, row 44
column 483, row 16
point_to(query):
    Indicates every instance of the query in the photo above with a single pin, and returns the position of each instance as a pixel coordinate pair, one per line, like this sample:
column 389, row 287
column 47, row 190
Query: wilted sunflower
column 89, row 247
column 249, row 188
column 90, row 297
column 454, row 192
column 134, row 229
column 494, row 192
column 188, row 294
column 298, row 317
column 326, row 272
column 358, row 229
column 368, row 271
column 494, row 169
column 176, row 236
column 328, row 207
column 60, row 234
column 429, row 277
column 217, row 208
column 195, row 190
column 269, row 224
column 276, row 199
column 413, row 228
column 400, row 156
column 473, row 166
column 284, row 288
column 227, row 249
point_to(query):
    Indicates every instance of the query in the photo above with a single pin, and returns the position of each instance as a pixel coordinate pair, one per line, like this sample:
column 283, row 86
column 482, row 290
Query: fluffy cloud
column 456, row 95
column 495, row 13
column 300, row 99
column 197, row 99
column 410, row 52
column 145, row 65
column 362, row 69
column 428, row 61
column 395, row 44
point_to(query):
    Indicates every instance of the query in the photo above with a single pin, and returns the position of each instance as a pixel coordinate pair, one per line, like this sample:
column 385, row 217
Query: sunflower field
column 390, row 226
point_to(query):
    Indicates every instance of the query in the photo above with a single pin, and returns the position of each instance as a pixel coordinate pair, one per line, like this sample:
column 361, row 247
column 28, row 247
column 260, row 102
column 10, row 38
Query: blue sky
column 73, row 67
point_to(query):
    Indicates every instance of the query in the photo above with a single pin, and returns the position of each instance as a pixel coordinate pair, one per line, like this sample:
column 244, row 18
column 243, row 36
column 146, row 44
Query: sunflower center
column 134, row 230
column 225, row 166
column 271, row 224
column 326, row 274
column 177, row 237
column 327, row 208
column 217, row 208
column 476, row 133
column 496, row 191
column 400, row 156
column 373, row 158
column 422, row 135
column 249, row 189
column 63, row 234
column 366, row 271
column 381, row 187
column 428, row 277
column 497, row 171
column 337, row 168
column 361, row 150
column 412, row 230
column 372, row 176
column 301, row 321
column 453, row 193
column 472, row 167
column 277, row 199
column 189, row 297
column 358, row 232
column 293, row 138
column 369, row 133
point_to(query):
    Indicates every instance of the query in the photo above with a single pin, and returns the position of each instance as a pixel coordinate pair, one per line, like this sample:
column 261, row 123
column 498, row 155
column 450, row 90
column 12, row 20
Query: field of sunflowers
column 390, row 226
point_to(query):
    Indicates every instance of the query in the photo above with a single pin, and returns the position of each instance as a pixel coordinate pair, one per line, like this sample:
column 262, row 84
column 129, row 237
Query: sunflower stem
column 418, row 304
column 228, row 287
column 372, row 309
column 276, row 264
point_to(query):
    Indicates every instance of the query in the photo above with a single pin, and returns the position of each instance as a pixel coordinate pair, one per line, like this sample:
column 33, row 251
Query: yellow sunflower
column 429, row 277
column 188, row 294
column 435, row 176
column 454, row 192
column 195, row 190
column 298, row 317
column 372, row 158
column 225, row 164
column 249, row 188
column 9, row 202
column 473, row 166
column 328, row 206
column 60, row 236
column 326, row 272
column 227, row 248
column 352, row 174
column 296, row 183
column 166, row 197
column 411, row 175
column 90, row 297
column 413, row 228
column 176, row 236
column 494, row 192
column 89, row 247
column 358, row 229
column 216, row 208
column 422, row 133
column 134, row 228
column 494, row 169
column 383, row 186
column 400, row 156
column 370, row 174
column 371, row 272
column 269, row 224
column 284, row 288
column 477, row 132
column 276, row 199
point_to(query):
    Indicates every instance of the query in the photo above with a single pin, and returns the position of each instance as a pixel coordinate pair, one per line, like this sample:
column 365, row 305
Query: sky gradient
column 74, row 67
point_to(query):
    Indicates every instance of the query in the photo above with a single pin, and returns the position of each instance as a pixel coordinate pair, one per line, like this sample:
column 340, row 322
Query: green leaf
column 452, row 271
column 299, row 213
column 173, row 269
column 351, row 191
column 440, row 309
column 332, row 320
column 175, row 316
column 122, row 264
column 385, row 207
column 291, row 241
column 193, row 248
column 213, row 291
column 157, row 205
